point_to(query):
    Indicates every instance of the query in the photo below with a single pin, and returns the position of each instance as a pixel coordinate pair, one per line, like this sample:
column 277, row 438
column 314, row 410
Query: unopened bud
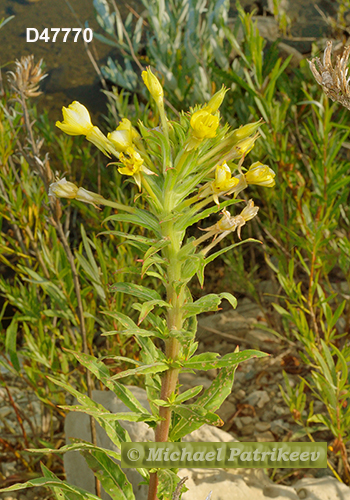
column 216, row 100
column 153, row 84
column 245, row 131
column 261, row 175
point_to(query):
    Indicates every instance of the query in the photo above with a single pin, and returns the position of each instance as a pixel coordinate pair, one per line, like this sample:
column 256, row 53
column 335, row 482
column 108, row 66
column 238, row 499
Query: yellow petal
column 76, row 119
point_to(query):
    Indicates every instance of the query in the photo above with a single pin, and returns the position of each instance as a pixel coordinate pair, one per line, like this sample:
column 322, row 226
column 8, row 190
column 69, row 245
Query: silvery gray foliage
column 183, row 38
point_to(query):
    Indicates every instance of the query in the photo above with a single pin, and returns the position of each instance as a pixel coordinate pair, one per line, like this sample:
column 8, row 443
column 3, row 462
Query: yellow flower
column 65, row 189
column 204, row 125
column 216, row 100
column 76, row 120
column 122, row 138
column 223, row 183
column 153, row 84
column 223, row 179
column 260, row 174
column 131, row 160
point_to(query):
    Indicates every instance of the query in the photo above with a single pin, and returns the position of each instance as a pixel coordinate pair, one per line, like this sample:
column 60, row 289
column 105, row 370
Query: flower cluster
column 186, row 155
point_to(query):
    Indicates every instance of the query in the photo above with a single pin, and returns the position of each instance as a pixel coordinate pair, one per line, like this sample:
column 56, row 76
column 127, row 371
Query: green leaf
column 141, row 218
column 101, row 371
column 211, row 400
column 112, row 417
column 207, row 303
column 58, row 492
column 113, row 429
column 78, row 445
column 142, row 370
column 11, row 343
column 131, row 327
column 74, row 492
column 112, row 478
column 196, row 414
column 139, row 291
column 190, row 393
column 130, row 236
column 207, row 361
column 148, row 306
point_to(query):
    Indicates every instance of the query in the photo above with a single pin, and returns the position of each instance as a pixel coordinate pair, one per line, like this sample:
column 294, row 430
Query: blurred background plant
column 305, row 255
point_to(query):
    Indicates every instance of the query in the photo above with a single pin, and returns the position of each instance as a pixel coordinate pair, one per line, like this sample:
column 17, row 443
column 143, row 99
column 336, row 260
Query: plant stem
column 172, row 345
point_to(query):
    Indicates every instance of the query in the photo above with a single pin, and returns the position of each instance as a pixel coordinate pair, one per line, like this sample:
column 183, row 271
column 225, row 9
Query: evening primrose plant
column 186, row 170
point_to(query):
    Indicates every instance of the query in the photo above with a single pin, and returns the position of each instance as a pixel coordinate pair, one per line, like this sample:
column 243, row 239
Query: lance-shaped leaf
column 113, row 429
column 157, row 367
column 207, row 360
column 141, row 218
column 190, row 393
column 148, row 306
column 129, row 236
column 110, row 475
column 130, row 327
column 207, row 303
column 73, row 492
column 138, row 291
column 196, row 414
column 58, row 492
column 81, row 445
column 100, row 370
column 77, row 445
column 113, row 417
column 211, row 400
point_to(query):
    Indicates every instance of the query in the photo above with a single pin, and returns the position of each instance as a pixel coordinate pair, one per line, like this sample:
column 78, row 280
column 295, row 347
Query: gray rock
column 262, row 426
column 247, row 430
column 231, row 485
column 258, row 398
column 265, row 437
column 325, row 488
column 246, row 420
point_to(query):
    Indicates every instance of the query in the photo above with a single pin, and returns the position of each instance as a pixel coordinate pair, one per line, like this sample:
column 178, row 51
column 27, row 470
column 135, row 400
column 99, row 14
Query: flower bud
column 242, row 148
column 76, row 119
column 216, row 100
column 245, row 131
column 260, row 174
column 63, row 189
column 153, row 84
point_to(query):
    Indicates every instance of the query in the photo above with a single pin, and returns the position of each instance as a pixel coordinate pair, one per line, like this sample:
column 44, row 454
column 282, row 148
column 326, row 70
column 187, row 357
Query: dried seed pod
column 334, row 81
column 27, row 77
